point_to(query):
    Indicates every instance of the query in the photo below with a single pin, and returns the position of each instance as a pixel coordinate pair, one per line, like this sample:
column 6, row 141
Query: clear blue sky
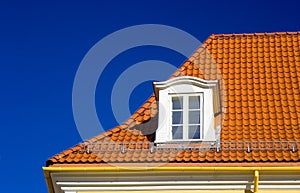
column 43, row 43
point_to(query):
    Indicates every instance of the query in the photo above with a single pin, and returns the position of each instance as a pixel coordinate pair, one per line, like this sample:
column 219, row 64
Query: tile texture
column 260, row 91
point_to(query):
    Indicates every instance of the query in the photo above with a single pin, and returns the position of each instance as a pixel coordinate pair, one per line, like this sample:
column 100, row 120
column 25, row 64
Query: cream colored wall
column 181, row 191
column 203, row 191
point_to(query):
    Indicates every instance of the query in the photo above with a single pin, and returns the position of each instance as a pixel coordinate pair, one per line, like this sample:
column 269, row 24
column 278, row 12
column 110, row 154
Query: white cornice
column 190, row 80
column 186, row 80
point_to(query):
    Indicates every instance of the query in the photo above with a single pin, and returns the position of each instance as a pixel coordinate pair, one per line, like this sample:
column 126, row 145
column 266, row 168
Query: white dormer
column 187, row 107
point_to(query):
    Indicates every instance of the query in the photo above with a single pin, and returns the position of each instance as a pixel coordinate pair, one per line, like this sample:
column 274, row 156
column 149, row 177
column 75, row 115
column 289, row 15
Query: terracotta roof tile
column 261, row 102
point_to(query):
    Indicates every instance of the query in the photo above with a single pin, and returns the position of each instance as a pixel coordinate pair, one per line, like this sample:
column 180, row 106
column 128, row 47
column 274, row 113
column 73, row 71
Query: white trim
column 127, row 186
column 185, row 80
column 138, row 183
column 185, row 113
column 213, row 187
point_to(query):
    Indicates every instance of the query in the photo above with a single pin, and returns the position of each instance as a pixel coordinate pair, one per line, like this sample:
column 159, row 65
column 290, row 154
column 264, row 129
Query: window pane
column 177, row 117
column 194, row 132
column 194, row 117
column 177, row 102
column 194, row 102
column 177, row 132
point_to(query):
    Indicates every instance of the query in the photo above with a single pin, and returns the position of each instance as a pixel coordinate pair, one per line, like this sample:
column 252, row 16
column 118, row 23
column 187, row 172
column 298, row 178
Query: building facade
column 227, row 121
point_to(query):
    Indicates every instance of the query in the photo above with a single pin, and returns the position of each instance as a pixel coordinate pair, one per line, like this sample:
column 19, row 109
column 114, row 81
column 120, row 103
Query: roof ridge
column 257, row 33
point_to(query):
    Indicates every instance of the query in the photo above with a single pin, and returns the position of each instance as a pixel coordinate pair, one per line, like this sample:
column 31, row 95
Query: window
column 186, row 116
column 187, row 109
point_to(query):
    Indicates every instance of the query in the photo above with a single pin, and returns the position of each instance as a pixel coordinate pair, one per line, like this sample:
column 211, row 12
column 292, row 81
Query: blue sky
column 43, row 43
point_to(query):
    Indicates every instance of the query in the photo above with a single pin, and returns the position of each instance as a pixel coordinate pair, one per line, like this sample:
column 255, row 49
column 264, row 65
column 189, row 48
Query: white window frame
column 186, row 85
column 185, row 116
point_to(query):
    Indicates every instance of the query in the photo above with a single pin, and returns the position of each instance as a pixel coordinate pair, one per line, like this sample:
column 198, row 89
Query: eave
column 251, row 171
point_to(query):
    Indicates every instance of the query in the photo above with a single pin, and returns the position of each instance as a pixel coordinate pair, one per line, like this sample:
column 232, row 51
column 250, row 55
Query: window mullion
column 201, row 115
column 185, row 117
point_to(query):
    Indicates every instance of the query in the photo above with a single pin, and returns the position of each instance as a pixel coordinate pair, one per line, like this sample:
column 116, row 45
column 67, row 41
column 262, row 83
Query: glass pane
column 194, row 117
column 177, row 117
column 177, row 102
column 177, row 132
column 194, row 132
column 194, row 102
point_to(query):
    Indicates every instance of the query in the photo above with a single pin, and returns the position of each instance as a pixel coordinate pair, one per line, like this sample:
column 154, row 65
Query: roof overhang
column 83, row 179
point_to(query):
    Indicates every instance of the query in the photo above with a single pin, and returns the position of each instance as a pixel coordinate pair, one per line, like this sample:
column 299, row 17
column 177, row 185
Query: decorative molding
column 184, row 80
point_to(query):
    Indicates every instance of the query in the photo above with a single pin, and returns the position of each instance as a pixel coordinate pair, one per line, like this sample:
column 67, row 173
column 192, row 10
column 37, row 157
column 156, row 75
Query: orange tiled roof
column 261, row 102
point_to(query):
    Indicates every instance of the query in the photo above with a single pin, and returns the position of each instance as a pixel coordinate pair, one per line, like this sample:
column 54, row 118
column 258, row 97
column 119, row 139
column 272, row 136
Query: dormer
column 187, row 107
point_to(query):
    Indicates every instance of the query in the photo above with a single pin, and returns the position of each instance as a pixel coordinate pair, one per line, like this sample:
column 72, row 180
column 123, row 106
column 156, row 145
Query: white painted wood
column 184, row 86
